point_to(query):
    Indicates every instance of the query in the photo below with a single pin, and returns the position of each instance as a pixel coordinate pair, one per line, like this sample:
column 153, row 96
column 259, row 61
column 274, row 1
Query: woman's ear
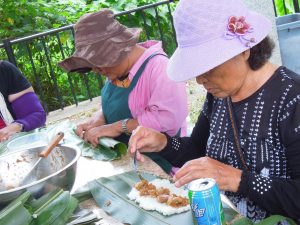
column 246, row 54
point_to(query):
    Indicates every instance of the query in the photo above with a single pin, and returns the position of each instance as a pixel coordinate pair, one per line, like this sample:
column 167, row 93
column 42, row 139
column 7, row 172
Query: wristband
column 124, row 126
column 20, row 125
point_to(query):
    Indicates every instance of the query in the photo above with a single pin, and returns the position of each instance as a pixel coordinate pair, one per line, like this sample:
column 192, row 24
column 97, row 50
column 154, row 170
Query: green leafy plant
column 284, row 7
column 38, row 58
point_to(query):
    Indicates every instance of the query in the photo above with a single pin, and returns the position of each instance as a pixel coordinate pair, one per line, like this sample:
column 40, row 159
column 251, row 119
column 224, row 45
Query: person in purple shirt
column 20, row 108
column 137, row 91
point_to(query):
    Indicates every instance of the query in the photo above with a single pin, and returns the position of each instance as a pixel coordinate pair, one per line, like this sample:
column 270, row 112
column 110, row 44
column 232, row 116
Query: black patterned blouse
column 269, row 129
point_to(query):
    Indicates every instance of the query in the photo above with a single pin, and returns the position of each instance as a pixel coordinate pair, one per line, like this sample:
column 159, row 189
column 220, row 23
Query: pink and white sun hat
column 210, row 32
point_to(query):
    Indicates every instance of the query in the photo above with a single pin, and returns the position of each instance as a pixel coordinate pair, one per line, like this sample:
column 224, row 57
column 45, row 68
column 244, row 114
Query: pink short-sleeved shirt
column 156, row 101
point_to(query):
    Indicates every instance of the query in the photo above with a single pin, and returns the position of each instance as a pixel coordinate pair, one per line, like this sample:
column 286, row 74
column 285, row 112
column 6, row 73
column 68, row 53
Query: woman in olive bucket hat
column 247, row 136
column 138, row 90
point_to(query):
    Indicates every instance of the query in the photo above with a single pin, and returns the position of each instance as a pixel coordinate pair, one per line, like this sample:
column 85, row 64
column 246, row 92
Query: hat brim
column 106, row 53
column 192, row 61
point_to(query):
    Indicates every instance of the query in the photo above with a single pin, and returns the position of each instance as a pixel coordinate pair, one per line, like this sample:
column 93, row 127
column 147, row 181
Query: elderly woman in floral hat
column 247, row 136
column 138, row 90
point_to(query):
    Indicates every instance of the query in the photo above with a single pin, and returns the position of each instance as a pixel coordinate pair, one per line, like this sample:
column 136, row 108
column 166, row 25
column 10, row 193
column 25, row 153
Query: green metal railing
column 37, row 55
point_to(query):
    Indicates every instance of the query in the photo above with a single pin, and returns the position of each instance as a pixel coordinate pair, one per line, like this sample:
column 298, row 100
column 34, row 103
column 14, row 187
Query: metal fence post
column 296, row 5
column 9, row 51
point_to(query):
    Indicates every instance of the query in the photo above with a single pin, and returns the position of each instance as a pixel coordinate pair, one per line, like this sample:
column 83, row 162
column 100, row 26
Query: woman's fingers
column 140, row 157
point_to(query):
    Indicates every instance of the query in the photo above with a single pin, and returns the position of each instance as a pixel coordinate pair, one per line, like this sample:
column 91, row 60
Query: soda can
column 205, row 200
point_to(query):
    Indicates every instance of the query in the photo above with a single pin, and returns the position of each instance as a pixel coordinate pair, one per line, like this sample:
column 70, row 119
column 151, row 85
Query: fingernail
column 177, row 184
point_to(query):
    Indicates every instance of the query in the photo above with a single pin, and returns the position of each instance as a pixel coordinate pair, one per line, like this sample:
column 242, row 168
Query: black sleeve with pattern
column 280, row 195
column 276, row 195
column 179, row 150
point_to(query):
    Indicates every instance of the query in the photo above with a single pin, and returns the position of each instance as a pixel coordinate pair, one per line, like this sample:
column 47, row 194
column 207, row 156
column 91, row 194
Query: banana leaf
column 57, row 207
column 66, row 214
column 111, row 195
column 275, row 219
column 35, row 204
column 82, row 193
column 107, row 150
column 15, row 213
column 242, row 221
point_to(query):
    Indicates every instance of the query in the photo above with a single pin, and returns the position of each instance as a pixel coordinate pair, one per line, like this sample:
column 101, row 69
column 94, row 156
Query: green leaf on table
column 110, row 193
column 275, row 219
column 117, row 146
column 15, row 213
column 35, row 204
column 108, row 149
column 242, row 221
column 229, row 213
column 104, row 153
column 56, row 208
column 67, row 213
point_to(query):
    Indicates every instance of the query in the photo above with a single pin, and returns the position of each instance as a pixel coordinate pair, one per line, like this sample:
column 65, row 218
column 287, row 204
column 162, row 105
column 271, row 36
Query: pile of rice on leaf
column 160, row 195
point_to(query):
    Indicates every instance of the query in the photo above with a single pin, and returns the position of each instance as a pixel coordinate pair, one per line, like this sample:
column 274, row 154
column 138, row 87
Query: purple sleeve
column 29, row 111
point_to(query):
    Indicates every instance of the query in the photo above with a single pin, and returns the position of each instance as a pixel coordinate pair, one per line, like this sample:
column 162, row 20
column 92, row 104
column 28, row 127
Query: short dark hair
column 260, row 53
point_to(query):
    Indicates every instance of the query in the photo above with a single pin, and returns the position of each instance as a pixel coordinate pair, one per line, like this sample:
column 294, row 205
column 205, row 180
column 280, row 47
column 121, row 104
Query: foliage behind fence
column 37, row 57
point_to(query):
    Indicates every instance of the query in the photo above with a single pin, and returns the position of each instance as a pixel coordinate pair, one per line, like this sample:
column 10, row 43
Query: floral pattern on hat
column 238, row 25
column 238, row 28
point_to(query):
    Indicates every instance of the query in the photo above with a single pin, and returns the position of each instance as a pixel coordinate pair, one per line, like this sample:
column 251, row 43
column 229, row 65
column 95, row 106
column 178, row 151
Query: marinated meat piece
column 163, row 198
column 140, row 185
column 162, row 195
column 144, row 192
column 177, row 201
column 151, row 187
column 163, row 191
column 152, row 193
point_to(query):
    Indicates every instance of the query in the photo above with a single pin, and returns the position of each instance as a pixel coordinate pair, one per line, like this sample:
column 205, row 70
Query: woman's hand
column 145, row 139
column 109, row 130
column 8, row 131
column 82, row 128
column 95, row 121
column 227, row 177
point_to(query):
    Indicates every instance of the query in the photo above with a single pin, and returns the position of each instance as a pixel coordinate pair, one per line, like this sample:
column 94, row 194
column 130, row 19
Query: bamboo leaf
column 111, row 195
column 52, row 209
column 107, row 150
column 82, row 193
column 15, row 213
column 275, row 219
column 66, row 214
column 243, row 221
column 39, row 203
column 18, row 215
column 117, row 146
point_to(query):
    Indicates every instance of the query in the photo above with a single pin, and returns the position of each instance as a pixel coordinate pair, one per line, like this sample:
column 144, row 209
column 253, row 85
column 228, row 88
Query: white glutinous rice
column 150, row 203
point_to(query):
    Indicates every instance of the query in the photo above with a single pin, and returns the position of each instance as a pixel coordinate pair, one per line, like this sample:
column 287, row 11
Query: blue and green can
column 206, row 202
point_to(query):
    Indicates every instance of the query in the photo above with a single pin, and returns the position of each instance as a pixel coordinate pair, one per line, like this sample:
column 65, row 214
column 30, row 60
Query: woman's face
column 114, row 72
column 228, row 78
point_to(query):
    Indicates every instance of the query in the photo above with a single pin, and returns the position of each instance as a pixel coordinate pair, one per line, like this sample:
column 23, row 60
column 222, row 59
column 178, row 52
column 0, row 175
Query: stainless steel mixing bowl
column 57, row 170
